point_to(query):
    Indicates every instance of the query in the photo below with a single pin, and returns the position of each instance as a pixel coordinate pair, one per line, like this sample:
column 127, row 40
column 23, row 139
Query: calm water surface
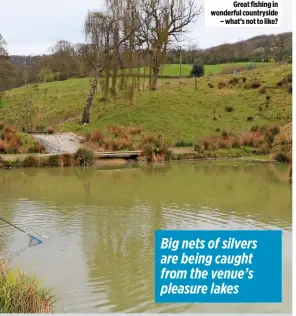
column 98, row 226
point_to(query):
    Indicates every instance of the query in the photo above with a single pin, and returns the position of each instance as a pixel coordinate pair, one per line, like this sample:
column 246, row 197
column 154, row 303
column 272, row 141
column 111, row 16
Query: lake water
column 98, row 226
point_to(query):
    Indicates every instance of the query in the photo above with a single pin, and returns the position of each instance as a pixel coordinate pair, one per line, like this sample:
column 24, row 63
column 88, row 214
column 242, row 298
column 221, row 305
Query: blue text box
column 227, row 266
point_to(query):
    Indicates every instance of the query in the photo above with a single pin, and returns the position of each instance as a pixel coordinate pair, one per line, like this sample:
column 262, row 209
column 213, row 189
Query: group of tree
column 125, row 36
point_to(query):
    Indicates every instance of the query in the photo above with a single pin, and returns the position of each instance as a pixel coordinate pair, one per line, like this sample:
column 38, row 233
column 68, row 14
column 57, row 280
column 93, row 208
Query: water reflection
column 98, row 225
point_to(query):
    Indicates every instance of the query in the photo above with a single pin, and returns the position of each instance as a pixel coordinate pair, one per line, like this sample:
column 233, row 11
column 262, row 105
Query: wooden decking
column 99, row 155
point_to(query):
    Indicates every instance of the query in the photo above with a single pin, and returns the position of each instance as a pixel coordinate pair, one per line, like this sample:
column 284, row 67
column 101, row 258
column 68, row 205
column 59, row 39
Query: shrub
column 229, row 108
column 50, row 130
column 3, row 146
column 250, row 118
column 198, row 69
column 66, row 160
column 53, row 161
column 282, row 157
column 233, row 81
column 267, row 98
column 210, row 85
column 124, row 143
column 30, row 161
column 244, row 79
column 96, row 137
column 255, row 84
column 262, row 90
column 84, row 157
column 116, row 130
column 221, row 84
column 22, row 294
column 155, row 149
column 134, row 130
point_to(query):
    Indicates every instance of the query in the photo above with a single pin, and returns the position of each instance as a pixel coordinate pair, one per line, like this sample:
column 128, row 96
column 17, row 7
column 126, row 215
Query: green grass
column 20, row 293
column 174, row 69
column 176, row 110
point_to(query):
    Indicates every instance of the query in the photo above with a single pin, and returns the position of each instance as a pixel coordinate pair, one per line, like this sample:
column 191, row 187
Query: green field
column 177, row 110
column 174, row 69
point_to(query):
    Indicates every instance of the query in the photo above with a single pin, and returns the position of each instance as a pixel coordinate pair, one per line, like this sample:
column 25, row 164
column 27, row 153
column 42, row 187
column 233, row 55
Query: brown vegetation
column 260, row 138
column 155, row 149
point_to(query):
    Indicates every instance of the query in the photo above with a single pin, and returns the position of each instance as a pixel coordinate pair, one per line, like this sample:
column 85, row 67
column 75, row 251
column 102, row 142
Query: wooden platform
column 98, row 155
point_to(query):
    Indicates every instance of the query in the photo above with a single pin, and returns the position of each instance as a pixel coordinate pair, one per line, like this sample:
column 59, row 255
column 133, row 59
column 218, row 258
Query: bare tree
column 100, row 28
column 97, row 30
column 193, row 52
column 64, row 57
column 241, row 50
column 280, row 42
column 164, row 21
column 266, row 45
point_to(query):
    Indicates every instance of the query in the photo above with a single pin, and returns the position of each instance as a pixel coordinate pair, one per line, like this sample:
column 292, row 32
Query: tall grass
column 20, row 293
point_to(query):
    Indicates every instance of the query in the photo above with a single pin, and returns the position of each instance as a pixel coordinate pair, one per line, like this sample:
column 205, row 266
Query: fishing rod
column 33, row 237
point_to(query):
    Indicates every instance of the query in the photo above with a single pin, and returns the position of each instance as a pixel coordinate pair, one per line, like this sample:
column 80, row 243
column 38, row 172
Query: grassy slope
column 178, row 111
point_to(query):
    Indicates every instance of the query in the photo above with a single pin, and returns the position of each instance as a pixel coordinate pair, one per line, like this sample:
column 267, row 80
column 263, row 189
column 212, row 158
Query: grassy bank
column 181, row 111
column 20, row 293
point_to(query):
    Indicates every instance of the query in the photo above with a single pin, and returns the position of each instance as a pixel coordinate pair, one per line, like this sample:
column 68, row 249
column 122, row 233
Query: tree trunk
column 114, row 81
column 155, row 77
column 85, row 116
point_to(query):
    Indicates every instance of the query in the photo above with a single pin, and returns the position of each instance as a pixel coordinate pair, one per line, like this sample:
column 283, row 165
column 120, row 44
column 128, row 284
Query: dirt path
column 60, row 143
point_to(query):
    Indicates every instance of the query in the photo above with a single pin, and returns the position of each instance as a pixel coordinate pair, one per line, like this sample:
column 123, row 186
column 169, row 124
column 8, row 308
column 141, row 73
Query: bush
column 229, row 108
column 198, row 69
column 50, row 130
column 53, row 161
column 255, row 84
column 22, row 294
column 2, row 163
column 3, row 147
column 155, row 149
column 267, row 98
column 66, row 160
column 116, row 130
column 30, row 161
column 134, row 130
column 282, row 157
column 262, row 90
column 96, row 137
column 233, row 81
column 221, row 84
column 84, row 157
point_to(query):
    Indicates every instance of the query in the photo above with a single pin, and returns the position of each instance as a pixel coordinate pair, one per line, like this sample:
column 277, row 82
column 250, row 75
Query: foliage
column 84, row 157
column 155, row 149
column 30, row 161
column 198, row 69
column 20, row 293
column 45, row 75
